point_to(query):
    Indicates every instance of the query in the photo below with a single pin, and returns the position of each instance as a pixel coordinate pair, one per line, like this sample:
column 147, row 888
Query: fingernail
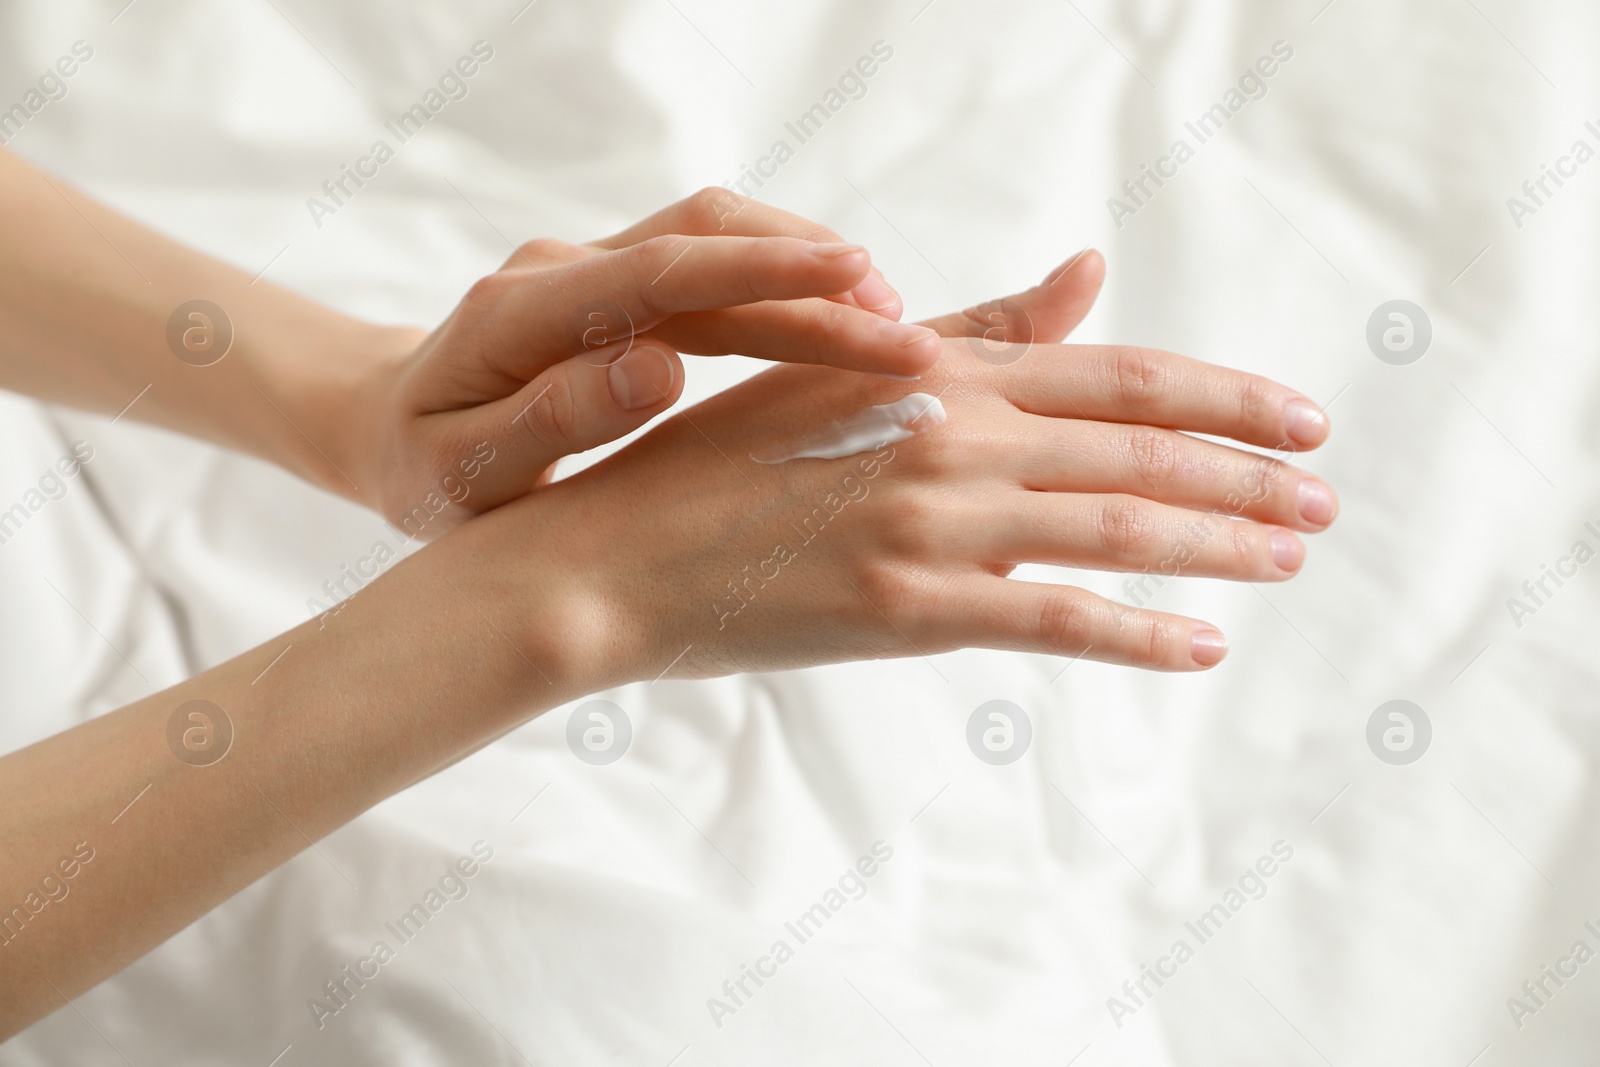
column 905, row 335
column 834, row 250
column 1305, row 422
column 641, row 378
column 1287, row 551
column 1318, row 505
column 1207, row 647
column 874, row 294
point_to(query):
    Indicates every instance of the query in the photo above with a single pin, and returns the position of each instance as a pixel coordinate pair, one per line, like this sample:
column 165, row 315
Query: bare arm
column 615, row 575
column 674, row 556
column 564, row 348
column 85, row 299
column 407, row 678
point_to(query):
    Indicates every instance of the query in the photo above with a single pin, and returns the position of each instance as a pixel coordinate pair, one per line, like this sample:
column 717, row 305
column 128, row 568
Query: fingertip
column 1304, row 423
column 674, row 388
column 1093, row 267
column 847, row 264
column 1288, row 551
column 648, row 376
column 1207, row 647
column 874, row 294
column 1088, row 266
column 836, row 250
column 914, row 349
column 1316, row 502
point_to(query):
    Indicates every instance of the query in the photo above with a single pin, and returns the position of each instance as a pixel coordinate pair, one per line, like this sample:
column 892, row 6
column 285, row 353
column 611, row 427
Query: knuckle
column 1257, row 403
column 982, row 318
column 553, row 418
column 711, row 207
column 1231, row 545
column 1154, row 454
column 1162, row 642
column 1247, row 547
column 913, row 534
column 1140, row 375
column 487, row 292
column 831, row 331
column 546, row 249
column 763, row 271
column 1270, row 479
column 645, row 263
column 1066, row 622
column 833, row 321
column 1002, row 320
column 1126, row 528
column 891, row 589
column 1252, row 482
column 655, row 252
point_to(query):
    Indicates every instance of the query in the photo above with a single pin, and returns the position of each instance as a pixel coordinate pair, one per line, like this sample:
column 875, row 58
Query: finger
column 1075, row 456
column 544, row 253
column 1044, row 314
column 874, row 294
column 830, row 331
column 806, row 331
column 569, row 408
column 541, row 317
column 1142, row 385
column 1122, row 532
column 1004, row 613
column 714, row 210
column 718, row 211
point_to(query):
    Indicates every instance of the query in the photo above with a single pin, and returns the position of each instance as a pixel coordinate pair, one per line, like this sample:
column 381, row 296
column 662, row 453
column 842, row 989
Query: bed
column 1348, row 887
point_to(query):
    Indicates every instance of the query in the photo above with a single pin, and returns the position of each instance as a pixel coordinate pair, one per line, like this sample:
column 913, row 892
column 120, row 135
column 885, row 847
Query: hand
column 427, row 428
column 698, row 561
column 567, row 347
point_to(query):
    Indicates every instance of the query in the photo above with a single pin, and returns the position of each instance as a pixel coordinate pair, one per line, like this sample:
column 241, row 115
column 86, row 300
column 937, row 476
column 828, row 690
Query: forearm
column 413, row 673
column 85, row 300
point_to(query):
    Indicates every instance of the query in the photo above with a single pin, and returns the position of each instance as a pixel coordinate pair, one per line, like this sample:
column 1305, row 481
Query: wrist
column 347, row 396
column 548, row 596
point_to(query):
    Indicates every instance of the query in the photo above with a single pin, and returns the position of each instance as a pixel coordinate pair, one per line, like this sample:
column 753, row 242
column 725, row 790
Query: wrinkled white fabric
column 1019, row 898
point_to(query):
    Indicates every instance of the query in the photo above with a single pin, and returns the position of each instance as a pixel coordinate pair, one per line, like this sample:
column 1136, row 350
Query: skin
column 554, row 590
column 383, row 415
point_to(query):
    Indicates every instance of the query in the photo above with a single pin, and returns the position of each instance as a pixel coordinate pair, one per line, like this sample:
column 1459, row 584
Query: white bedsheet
column 1018, row 899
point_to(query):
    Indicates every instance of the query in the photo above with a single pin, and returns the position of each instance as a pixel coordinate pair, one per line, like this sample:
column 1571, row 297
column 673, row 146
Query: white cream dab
column 871, row 429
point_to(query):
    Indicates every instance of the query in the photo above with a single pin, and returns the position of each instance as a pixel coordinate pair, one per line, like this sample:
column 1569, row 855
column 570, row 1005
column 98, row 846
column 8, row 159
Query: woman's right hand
column 567, row 347
column 687, row 558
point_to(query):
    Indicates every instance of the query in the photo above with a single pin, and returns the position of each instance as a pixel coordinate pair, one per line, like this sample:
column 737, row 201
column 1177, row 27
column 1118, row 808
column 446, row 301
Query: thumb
column 1045, row 314
column 571, row 407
